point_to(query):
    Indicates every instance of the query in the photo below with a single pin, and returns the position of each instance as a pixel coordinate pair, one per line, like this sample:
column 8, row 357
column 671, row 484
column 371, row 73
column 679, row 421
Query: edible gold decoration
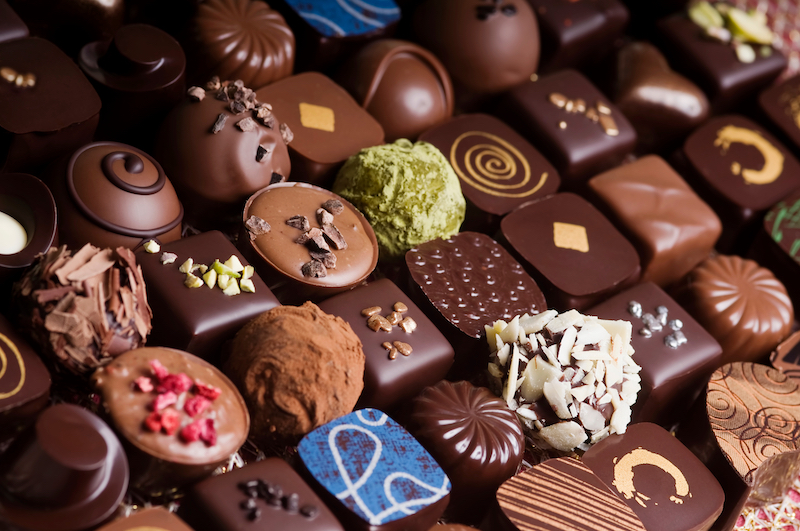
column 21, row 80
column 569, row 236
column 4, row 366
column 773, row 158
column 317, row 117
column 623, row 475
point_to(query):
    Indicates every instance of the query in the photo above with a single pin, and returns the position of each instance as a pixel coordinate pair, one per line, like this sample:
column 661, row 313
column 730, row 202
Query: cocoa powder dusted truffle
column 84, row 308
column 297, row 368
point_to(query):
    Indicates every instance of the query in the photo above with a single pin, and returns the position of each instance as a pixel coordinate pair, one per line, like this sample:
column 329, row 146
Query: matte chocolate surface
column 328, row 124
column 374, row 474
column 667, row 487
column 561, row 115
column 740, row 170
column 676, row 354
column 498, row 169
column 11, row 26
column 781, row 103
column 388, row 380
column 266, row 495
column 154, row 518
column 670, row 226
column 53, row 117
column 402, row 85
column 198, row 320
column 728, row 82
column 572, row 250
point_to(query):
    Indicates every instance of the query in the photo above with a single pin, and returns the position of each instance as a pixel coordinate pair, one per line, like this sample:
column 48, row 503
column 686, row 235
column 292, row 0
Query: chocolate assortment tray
column 384, row 265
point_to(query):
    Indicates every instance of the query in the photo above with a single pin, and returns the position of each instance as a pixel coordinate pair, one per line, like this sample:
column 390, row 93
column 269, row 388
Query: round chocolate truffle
column 298, row 368
column 179, row 415
column 219, row 146
column 474, row 437
column 487, row 47
column 114, row 195
column 240, row 39
column 402, row 85
column 741, row 304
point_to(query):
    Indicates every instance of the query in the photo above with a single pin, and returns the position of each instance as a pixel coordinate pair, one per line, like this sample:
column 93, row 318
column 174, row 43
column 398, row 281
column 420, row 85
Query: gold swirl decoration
column 492, row 167
column 4, row 366
column 773, row 158
column 754, row 412
column 623, row 475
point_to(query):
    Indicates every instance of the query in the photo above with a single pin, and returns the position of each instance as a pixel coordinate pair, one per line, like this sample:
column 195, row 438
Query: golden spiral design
column 486, row 166
column 4, row 366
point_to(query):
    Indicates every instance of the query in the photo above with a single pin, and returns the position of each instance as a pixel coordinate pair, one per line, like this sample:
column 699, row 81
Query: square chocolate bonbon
column 781, row 104
column 153, row 518
column 198, row 320
column 676, row 354
column 266, row 495
column 574, row 253
column 670, row 226
column 777, row 245
column 498, row 169
column 567, row 117
column 404, row 351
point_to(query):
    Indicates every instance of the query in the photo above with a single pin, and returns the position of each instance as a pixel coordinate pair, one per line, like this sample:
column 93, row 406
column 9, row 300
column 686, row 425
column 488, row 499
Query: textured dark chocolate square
column 670, row 226
column 498, row 169
column 781, row 104
column 777, row 245
column 576, row 141
column 574, row 253
column 222, row 503
column 667, row 487
column 151, row 519
column 728, row 82
column 198, row 320
column 388, row 381
column 740, row 170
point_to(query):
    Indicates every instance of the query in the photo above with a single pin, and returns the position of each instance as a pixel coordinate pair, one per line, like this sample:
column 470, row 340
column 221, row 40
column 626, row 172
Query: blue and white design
column 346, row 18
column 373, row 466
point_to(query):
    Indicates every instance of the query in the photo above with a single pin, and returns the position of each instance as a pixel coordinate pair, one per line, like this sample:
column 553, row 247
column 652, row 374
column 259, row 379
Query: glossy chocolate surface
column 776, row 246
column 674, row 372
column 714, row 66
column 781, row 104
column 54, row 117
column 786, row 356
column 110, row 195
column 240, row 39
column 577, row 145
column 670, row 226
column 389, row 382
column 153, row 518
column 498, row 169
column 474, row 437
column 11, row 26
column 574, row 253
column 662, row 105
column 740, row 303
column 68, row 472
column 658, row 478
column 390, row 481
column 281, row 501
column 198, row 320
column 328, row 124
column 740, row 170
column 402, row 85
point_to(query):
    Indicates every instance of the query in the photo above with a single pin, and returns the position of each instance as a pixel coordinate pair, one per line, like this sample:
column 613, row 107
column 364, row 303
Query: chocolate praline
column 152, row 518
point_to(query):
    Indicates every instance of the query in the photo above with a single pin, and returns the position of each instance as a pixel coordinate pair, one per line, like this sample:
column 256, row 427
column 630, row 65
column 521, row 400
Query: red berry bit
column 196, row 405
column 209, row 433
column 170, row 421
column 207, row 391
column 159, row 370
column 164, row 400
column 191, row 432
column 144, row 384
column 177, row 383
column 153, row 422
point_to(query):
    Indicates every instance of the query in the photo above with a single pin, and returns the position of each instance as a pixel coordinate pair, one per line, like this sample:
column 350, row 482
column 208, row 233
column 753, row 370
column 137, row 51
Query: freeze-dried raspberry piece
column 196, row 405
column 143, row 383
column 164, row 400
column 191, row 432
column 153, row 421
column 177, row 383
column 159, row 370
column 209, row 433
column 207, row 391
column 170, row 421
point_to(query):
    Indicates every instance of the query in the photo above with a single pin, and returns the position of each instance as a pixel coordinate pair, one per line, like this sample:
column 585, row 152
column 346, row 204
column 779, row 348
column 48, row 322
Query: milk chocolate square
column 670, row 226
column 198, row 320
column 574, row 253
column 498, row 169
column 567, row 117
column 392, row 374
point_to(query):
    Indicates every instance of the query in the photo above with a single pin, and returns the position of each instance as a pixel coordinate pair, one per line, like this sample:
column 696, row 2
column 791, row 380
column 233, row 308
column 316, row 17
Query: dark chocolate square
column 222, row 503
column 728, row 82
column 667, row 487
column 327, row 123
column 781, row 104
column 670, row 226
column 672, row 378
column 388, row 381
column 498, row 169
column 576, row 144
column 740, row 170
column 198, row 320
column 777, row 245
column 574, row 253
column 152, row 519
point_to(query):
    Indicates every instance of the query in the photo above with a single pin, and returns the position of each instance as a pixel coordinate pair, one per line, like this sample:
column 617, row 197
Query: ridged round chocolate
column 741, row 304
column 241, row 39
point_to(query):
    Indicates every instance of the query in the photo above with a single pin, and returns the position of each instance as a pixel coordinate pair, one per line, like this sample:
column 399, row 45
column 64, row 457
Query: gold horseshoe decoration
column 773, row 158
column 623, row 475
column 4, row 366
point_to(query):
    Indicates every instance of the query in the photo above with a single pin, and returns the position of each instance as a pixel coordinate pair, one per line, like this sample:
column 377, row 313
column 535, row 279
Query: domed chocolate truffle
column 240, row 39
column 113, row 195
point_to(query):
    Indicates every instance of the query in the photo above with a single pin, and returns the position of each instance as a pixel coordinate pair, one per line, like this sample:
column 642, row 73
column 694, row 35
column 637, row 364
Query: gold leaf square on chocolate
column 317, row 117
column 569, row 236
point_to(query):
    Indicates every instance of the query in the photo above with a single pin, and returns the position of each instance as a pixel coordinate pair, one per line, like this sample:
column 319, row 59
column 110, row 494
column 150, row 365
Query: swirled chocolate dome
column 741, row 304
column 240, row 39
column 114, row 195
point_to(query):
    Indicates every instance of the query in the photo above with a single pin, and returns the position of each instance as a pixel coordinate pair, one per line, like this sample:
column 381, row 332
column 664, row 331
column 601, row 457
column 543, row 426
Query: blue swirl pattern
column 346, row 18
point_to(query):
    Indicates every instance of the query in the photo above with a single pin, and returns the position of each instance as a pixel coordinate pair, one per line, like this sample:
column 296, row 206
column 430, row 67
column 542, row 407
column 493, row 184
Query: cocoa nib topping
column 261, row 152
column 219, row 123
column 286, row 134
column 319, row 240
column 213, row 84
column 196, row 93
column 240, row 100
column 246, row 125
column 335, row 237
column 257, row 226
column 273, row 495
column 334, row 206
column 276, row 178
column 299, row 222
column 314, row 269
